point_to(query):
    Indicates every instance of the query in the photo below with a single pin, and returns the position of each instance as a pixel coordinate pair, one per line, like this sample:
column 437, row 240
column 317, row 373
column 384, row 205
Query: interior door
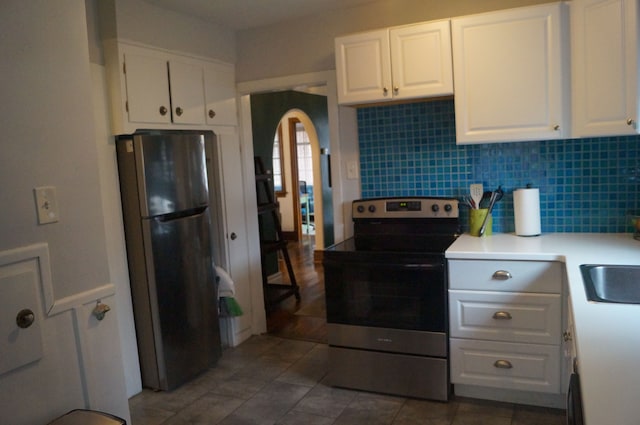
column 235, row 227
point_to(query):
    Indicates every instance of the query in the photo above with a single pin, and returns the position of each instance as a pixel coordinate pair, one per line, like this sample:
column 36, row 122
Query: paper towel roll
column 526, row 208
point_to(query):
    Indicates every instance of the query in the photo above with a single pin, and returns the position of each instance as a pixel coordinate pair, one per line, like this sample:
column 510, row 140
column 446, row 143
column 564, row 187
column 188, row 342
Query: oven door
column 387, row 290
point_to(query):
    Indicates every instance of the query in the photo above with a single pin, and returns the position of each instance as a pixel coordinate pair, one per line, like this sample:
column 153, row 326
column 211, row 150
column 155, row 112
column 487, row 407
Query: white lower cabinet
column 506, row 326
column 505, row 316
column 529, row 367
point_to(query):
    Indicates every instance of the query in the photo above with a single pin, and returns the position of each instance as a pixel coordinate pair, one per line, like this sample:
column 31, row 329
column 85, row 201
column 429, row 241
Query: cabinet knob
column 502, row 275
column 233, row 236
column 503, row 364
column 163, row 110
column 566, row 336
column 556, row 127
column 502, row 315
column 179, row 111
column 385, row 90
column 631, row 121
column 396, row 89
column 25, row 318
column 212, row 113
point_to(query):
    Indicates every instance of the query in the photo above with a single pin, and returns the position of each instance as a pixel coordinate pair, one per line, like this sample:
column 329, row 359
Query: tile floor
column 271, row 380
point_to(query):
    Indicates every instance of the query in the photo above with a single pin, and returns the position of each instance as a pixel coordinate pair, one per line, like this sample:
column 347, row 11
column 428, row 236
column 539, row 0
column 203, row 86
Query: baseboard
column 557, row 401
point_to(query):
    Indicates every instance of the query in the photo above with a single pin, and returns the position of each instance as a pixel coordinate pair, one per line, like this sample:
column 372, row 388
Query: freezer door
column 183, row 299
column 171, row 171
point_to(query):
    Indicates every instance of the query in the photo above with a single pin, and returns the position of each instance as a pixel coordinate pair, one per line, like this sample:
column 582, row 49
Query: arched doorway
column 267, row 110
column 296, row 169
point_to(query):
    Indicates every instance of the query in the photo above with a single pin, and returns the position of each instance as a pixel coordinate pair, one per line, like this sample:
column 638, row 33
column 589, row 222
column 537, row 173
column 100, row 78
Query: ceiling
column 245, row 14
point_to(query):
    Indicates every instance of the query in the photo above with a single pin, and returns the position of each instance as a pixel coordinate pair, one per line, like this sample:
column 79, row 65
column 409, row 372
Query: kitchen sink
column 612, row 283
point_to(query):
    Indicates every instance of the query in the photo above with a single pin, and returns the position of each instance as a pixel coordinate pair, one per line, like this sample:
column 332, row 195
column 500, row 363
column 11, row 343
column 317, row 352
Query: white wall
column 48, row 139
column 306, row 45
column 142, row 22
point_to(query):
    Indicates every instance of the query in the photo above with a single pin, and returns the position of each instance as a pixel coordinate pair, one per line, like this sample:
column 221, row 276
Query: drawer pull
column 503, row 364
column 502, row 315
column 502, row 275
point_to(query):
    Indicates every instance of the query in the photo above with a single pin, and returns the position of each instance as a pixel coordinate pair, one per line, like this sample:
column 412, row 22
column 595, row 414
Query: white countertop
column 607, row 335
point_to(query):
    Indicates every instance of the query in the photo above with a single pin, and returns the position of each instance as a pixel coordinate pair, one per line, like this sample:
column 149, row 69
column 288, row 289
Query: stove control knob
column 372, row 208
column 448, row 207
column 360, row 209
column 435, row 208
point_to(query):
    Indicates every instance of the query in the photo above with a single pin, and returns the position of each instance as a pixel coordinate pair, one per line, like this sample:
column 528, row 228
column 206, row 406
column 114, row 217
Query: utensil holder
column 476, row 217
column 634, row 217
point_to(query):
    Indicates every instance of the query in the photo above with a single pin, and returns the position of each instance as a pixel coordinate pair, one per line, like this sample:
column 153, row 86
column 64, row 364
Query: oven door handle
column 421, row 266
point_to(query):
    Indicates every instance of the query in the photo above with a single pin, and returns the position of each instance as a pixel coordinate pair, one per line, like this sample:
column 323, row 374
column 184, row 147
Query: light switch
column 46, row 204
column 352, row 170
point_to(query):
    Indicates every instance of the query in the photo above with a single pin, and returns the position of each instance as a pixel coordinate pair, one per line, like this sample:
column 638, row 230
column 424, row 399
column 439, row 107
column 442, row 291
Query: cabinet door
column 605, row 69
column 363, row 67
column 421, row 60
column 508, row 75
column 147, row 89
column 187, row 93
column 220, row 95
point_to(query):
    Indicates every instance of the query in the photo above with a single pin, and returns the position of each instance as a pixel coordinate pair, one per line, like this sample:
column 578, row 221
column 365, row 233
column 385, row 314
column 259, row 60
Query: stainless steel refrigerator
column 165, row 203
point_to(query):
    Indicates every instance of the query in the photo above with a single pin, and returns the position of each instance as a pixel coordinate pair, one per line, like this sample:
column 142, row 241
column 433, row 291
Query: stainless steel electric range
column 386, row 297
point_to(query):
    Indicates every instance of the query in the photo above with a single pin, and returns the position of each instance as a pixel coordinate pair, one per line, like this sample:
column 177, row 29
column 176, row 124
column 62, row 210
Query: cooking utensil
column 476, row 193
column 495, row 197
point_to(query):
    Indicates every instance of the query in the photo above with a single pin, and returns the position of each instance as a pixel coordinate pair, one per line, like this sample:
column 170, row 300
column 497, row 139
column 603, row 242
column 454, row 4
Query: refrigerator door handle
column 181, row 214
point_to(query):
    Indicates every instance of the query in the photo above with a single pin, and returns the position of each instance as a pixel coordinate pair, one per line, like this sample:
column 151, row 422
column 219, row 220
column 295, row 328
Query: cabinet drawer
column 528, row 367
column 505, row 316
column 514, row 276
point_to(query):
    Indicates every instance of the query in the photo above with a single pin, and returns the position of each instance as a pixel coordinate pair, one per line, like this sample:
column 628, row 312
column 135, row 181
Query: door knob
column 25, row 318
column 100, row 310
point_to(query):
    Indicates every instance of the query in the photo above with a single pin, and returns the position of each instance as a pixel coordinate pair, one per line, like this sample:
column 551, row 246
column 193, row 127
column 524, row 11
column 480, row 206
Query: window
column 305, row 159
column 278, row 168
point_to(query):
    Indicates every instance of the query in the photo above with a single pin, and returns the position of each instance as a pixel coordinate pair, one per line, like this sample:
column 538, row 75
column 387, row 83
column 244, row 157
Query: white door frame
column 341, row 214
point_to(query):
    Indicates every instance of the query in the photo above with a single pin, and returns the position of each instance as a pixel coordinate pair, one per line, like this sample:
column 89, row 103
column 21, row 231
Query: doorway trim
column 337, row 128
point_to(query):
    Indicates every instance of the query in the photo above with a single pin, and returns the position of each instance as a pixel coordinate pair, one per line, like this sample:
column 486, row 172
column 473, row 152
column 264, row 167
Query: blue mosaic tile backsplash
column 586, row 185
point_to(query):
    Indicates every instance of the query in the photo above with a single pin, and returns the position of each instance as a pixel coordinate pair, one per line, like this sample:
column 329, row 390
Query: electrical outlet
column 352, row 170
column 46, row 204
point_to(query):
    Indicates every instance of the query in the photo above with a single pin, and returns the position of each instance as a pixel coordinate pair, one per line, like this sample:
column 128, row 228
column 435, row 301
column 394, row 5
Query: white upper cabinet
column 364, row 67
column 405, row 62
column 604, row 37
column 147, row 95
column 154, row 89
column 220, row 94
column 187, row 92
column 511, row 75
column 421, row 60
column 163, row 90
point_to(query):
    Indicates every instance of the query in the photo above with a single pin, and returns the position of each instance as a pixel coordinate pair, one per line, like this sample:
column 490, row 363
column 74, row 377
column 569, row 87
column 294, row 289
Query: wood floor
column 304, row 320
